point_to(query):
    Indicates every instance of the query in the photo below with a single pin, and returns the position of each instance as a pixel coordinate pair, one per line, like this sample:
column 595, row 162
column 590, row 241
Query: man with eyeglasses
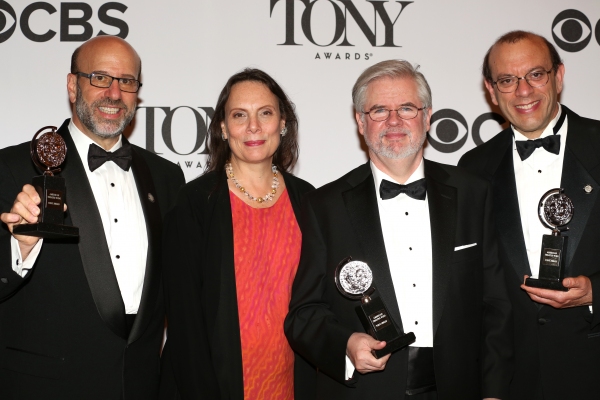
column 547, row 146
column 84, row 318
column 424, row 229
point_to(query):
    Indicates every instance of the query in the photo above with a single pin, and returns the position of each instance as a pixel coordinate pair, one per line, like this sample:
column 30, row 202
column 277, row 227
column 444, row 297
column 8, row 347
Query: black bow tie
column 416, row 189
column 525, row 148
column 551, row 144
column 97, row 156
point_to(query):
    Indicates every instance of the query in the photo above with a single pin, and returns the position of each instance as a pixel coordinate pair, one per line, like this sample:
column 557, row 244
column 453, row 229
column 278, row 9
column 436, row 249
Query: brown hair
column 218, row 150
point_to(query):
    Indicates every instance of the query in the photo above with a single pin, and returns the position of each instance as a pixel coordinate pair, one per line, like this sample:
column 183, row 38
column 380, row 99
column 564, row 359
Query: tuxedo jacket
column 63, row 333
column 557, row 352
column 471, row 312
column 202, row 358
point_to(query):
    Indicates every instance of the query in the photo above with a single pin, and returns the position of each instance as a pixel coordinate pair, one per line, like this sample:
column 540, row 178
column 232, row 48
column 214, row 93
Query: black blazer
column 63, row 333
column 557, row 352
column 203, row 357
column 342, row 219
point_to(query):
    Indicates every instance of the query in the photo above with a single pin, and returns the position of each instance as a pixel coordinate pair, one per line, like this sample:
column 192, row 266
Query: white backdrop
column 314, row 48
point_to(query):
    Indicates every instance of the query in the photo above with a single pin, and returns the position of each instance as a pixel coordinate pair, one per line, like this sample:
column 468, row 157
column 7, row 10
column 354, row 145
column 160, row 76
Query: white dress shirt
column 540, row 172
column 407, row 237
column 118, row 203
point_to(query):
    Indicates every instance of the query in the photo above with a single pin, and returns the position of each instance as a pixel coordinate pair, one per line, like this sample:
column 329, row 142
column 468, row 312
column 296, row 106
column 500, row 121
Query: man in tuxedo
column 547, row 146
column 425, row 231
column 83, row 318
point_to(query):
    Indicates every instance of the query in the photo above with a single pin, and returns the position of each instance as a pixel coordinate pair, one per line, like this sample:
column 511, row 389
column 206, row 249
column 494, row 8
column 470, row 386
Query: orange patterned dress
column 266, row 246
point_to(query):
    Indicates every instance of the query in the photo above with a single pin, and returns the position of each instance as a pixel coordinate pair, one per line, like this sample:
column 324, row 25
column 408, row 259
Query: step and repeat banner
column 314, row 48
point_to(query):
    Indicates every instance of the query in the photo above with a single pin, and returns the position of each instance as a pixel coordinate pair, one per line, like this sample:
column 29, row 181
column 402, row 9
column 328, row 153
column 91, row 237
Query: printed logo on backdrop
column 335, row 24
column 449, row 129
column 572, row 30
column 39, row 21
column 167, row 128
column 177, row 133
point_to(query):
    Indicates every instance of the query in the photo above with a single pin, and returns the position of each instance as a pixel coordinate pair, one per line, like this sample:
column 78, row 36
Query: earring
column 284, row 131
column 223, row 136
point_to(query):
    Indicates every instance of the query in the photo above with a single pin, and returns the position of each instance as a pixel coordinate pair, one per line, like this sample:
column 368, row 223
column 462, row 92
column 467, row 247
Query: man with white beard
column 424, row 230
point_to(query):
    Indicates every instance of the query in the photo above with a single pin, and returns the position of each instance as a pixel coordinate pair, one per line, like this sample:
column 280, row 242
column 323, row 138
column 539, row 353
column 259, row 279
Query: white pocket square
column 466, row 246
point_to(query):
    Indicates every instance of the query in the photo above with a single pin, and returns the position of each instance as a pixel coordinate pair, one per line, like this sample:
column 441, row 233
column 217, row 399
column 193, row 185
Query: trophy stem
column 51, row 190
column 376, row 320
column 48, row 151
column 552, row 263
column 555, row 210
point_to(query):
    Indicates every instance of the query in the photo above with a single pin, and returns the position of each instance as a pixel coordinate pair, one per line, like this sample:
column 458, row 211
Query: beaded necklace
column 267, row 197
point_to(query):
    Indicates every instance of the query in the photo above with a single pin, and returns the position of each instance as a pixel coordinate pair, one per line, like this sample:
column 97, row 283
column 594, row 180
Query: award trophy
column 353, row 279
column 555, row 211
column 48, row 152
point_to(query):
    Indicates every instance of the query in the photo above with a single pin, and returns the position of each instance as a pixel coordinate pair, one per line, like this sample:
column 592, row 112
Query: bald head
column 103, row 112
column 101, row 45
column 515, row 37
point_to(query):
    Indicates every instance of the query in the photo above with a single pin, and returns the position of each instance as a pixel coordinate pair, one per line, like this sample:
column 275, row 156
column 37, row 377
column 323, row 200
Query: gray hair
column 390, row 69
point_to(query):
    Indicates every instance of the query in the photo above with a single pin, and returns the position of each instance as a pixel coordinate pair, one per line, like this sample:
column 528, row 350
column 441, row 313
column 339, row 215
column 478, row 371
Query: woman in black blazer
column 213, row 349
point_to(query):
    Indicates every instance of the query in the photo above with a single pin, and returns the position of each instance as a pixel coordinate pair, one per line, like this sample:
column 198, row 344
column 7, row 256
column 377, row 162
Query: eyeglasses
column 104, row 81
column 536, row 78
column 404, row 112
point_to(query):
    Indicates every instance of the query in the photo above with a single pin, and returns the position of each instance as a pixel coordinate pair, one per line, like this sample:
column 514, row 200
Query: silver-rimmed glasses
column 404, row 112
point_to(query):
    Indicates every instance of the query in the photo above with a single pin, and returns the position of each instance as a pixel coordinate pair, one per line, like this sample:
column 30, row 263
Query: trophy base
column 546, row 284
column 395, row 344
column 47, row 231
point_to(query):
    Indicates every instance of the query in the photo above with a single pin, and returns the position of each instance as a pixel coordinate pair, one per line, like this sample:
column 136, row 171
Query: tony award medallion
column 354, row 280
column 555, row 211
column 48, row 152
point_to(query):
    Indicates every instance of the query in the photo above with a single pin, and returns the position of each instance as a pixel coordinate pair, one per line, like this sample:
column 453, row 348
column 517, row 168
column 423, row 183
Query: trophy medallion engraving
column 354, row 279
column 50, row 150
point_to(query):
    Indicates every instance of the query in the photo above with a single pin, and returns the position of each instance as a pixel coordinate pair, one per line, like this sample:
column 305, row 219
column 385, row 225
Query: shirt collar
column 82, row 142
column 379, row 175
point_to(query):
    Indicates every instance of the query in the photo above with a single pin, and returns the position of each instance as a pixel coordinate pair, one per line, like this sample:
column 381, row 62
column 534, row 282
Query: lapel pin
column 588, row 189
column 150, row 197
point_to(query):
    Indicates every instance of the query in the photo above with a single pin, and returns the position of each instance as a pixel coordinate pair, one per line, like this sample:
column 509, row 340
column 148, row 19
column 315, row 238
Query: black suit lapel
column 580, row 158
column 361, row 205
column 93, row 249
column 506, row 210
column 151, row 209
column 442, row 217
column 293, row 193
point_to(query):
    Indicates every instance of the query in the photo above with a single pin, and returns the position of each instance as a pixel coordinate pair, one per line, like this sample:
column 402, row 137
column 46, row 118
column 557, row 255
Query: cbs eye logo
column 71, row 15
column 446, row 125
column 572, row 30
column 6, row 9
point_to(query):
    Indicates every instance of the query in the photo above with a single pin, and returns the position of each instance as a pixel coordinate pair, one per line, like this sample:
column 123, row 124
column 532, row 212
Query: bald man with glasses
column 547, row 146
column 83, row 318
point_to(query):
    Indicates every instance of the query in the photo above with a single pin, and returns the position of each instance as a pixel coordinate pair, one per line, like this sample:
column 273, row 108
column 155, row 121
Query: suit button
column 3, row 280
column 542, row 321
